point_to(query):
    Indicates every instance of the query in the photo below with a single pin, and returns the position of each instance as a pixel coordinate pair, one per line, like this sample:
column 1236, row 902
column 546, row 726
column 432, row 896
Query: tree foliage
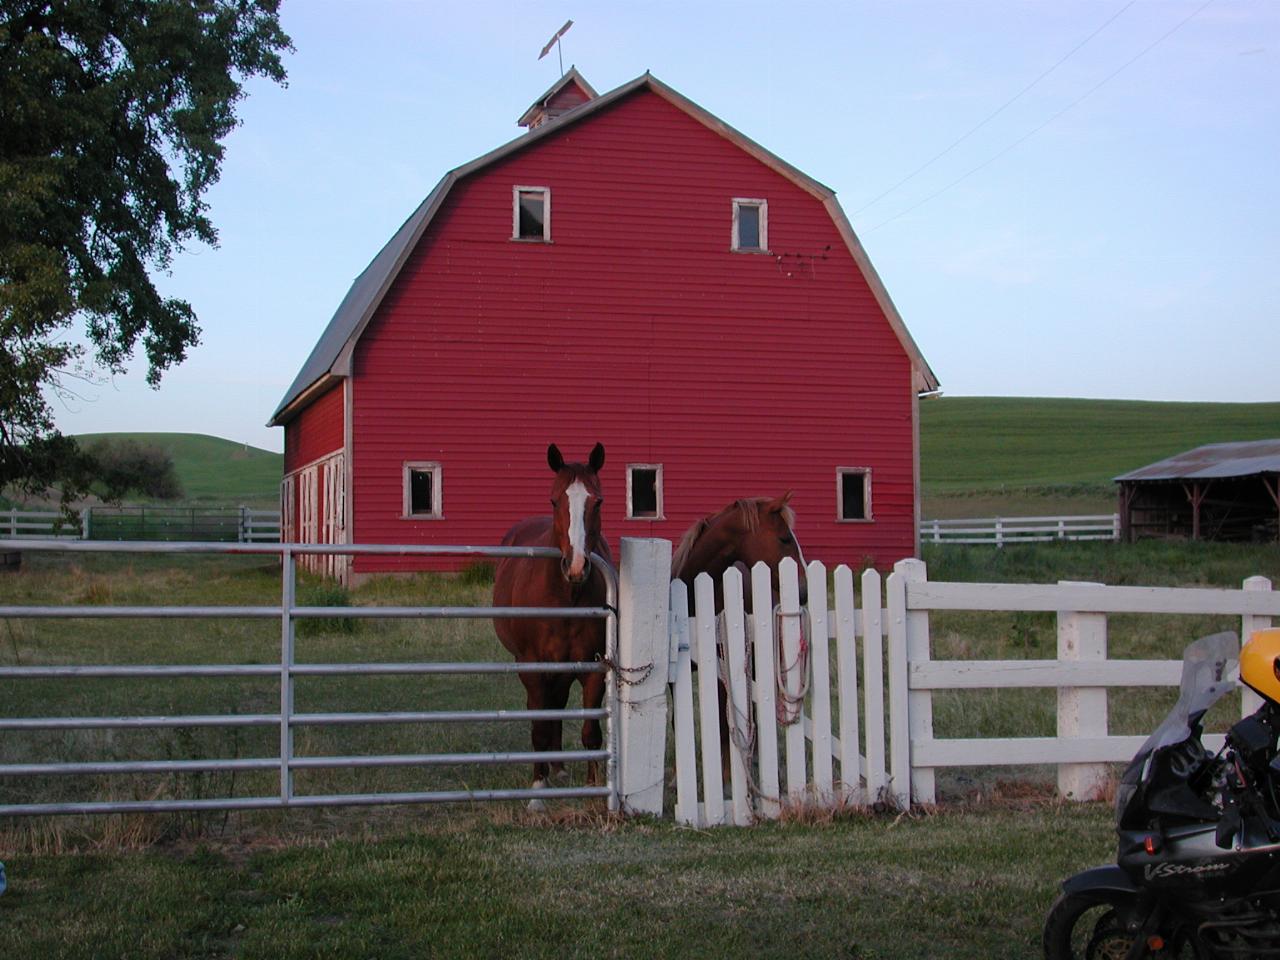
column 112, row 117
column 126, row 466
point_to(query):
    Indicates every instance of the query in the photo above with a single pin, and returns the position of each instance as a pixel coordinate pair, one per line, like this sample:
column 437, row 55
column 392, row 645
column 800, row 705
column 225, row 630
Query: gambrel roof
column 331, row 358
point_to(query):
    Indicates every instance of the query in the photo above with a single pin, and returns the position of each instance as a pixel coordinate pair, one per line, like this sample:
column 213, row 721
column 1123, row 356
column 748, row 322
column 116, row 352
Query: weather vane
column 555, row 42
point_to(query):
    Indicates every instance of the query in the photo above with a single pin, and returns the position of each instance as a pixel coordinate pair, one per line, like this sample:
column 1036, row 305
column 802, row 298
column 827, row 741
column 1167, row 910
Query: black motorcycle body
column 1197, row 870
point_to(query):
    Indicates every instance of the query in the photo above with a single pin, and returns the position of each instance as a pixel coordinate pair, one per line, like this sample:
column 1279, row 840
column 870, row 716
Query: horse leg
column 558, row 687
column 592, row 696
column 541, row 731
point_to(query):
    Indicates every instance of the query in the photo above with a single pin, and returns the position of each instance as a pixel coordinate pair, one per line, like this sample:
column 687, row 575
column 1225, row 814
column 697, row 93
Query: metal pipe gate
column 287, row 719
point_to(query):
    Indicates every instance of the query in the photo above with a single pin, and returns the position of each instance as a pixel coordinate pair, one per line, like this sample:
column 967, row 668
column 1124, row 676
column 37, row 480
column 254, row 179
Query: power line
column 1027, row 136
column 995, row 113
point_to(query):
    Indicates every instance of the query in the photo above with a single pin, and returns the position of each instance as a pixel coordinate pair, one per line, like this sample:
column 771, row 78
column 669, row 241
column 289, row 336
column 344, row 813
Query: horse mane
column 748, row 509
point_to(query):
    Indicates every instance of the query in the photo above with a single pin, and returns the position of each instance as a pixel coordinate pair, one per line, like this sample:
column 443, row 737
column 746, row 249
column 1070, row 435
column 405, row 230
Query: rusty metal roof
column 1214, row 461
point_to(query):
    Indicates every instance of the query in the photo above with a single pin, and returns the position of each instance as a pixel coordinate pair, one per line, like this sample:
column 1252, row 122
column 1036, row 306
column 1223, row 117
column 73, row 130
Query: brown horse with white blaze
column 571, row 581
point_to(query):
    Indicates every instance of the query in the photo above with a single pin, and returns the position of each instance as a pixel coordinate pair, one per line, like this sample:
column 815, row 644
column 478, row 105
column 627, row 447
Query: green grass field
column 1011, row 456
column 213, row 470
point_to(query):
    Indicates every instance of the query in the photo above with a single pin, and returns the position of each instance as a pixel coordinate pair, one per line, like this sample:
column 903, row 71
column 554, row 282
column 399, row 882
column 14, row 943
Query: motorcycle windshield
column 1210, row 666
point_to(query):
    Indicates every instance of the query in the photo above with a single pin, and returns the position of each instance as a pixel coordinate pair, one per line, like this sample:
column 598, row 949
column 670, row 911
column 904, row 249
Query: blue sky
column 1091, row 205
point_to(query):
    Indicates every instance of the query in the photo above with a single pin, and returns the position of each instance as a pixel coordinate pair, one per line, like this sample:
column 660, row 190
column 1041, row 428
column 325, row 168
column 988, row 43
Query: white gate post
column 1250, row 701
column 643, row 639
column 1082, row 711
column 910, row 711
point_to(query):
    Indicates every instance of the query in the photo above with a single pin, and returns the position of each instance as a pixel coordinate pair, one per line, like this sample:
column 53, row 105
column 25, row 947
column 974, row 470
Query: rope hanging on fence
column 737, row 719
column 789, row 706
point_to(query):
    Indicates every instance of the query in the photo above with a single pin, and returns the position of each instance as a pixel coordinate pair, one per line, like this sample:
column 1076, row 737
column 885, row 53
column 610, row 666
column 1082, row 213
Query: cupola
column 570, row 91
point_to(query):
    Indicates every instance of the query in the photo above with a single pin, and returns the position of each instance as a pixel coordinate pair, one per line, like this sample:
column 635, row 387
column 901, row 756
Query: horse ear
column 554, row 459
column 780, row 504
column 597, row 458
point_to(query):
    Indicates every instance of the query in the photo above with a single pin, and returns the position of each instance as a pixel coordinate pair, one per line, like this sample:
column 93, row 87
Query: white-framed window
column 853, row 494
column 644, row 491
column 531, row 214
column 750, row 225
column 423, row 490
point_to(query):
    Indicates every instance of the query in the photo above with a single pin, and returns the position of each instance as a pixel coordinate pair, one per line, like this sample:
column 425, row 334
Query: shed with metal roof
column 1220, row 491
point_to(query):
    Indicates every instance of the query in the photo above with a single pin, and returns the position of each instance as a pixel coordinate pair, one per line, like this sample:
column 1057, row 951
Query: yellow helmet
column 1260, row 664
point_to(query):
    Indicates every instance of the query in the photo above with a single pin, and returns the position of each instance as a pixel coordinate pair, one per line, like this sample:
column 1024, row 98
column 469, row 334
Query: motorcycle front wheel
column 1087, row 927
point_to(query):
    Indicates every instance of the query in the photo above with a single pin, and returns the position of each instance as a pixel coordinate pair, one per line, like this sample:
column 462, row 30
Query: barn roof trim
column 1214, row 461
column 331, row 356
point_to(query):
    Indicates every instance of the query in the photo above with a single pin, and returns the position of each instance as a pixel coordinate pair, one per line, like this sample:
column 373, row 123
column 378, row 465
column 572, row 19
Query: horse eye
column 787, row 539
column 553, row 503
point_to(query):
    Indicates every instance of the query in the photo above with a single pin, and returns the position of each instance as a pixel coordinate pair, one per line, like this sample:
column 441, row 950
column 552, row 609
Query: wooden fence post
column 850, row 790
column 1082, row 711
column 85, row 516
column 738, row 712
column 764, row 690
column 910, row 712
column 643, row 642
column 1250, row 701
column 873, row 683
column 681, row 679
column 704, row 640
column 792, row 679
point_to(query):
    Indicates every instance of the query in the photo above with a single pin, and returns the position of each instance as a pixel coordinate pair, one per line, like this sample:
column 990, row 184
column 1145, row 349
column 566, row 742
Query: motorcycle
column 1197, row 871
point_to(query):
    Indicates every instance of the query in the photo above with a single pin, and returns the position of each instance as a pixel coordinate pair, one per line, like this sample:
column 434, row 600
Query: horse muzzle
column 566, row 565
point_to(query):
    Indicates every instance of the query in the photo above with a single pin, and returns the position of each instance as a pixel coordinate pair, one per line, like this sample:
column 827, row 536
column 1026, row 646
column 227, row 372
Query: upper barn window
column 751, row 225
column 531, row 214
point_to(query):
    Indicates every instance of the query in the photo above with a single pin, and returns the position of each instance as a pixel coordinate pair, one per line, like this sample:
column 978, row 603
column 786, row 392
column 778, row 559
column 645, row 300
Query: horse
column 570, row 581
column 744, row 533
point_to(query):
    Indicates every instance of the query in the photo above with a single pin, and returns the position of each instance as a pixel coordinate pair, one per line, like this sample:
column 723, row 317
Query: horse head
column 746, row 532
column 575, row 503
column 764, row 532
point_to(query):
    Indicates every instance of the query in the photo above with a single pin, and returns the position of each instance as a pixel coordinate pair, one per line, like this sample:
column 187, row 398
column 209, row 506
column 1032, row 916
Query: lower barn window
column 423, row 495
column 644, row 491
column 853, row 492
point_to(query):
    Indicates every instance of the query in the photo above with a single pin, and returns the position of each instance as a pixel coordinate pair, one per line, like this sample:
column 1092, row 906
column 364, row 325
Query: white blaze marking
column 577, row 494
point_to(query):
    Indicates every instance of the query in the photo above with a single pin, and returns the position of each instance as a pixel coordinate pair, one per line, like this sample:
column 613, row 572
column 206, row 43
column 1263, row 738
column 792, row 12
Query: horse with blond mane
column 746, row 532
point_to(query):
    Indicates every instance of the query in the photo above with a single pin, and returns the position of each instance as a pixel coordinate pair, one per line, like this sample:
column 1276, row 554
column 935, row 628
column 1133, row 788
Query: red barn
column 631, row 270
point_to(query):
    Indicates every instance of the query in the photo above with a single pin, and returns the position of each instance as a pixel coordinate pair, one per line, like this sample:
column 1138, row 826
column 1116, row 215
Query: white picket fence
column 798, row 740
column 1003, row 530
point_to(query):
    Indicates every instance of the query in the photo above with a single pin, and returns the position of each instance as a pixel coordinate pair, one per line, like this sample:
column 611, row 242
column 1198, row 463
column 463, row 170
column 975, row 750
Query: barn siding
column 743, row 374
column 315, row 432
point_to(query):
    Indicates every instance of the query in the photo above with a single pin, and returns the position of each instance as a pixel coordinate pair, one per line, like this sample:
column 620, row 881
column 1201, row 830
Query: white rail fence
column 1003, row 530
column 250, row 525
column 829, row 703
column 797, row 738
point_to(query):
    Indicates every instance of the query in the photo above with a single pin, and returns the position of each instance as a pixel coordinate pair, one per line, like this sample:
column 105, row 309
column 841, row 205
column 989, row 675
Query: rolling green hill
column 1013, row 455
column 214, row 470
